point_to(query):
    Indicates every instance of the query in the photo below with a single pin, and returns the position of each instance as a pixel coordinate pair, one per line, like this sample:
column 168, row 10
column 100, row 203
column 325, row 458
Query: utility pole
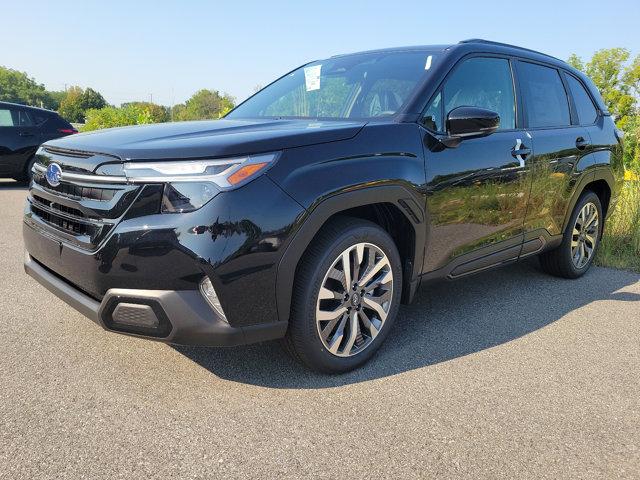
column 172, row 102
column 151, row 98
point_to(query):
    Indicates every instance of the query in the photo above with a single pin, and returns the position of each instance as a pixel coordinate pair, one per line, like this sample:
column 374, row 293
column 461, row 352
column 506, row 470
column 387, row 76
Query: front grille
column 68, row 225
column 58, row 207
column 82, row 209
column 78, row 191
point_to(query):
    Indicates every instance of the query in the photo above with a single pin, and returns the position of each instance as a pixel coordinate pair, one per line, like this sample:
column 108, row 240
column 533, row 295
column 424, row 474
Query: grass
column 620, row 247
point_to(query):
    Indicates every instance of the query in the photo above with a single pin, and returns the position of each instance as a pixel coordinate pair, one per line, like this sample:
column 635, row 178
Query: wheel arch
column 602, row 183
column 392, row 207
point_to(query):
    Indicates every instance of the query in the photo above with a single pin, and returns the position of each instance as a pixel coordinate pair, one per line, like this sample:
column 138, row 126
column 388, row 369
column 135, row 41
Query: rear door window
column 24, row 119
column 546, row 102
column 6, row 119
column 585, row 109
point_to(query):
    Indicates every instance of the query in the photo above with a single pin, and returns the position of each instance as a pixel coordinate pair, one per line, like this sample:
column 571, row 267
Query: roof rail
column 499, row 44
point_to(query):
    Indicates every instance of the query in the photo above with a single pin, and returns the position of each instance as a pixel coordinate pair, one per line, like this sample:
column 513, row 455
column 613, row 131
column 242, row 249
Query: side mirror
column 470, row 122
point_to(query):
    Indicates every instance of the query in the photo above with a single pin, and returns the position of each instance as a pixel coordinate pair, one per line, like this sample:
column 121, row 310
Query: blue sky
column 130, row 50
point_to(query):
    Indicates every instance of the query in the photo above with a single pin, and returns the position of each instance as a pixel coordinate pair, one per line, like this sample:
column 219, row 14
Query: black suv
column 317, row 206
column 22, row 130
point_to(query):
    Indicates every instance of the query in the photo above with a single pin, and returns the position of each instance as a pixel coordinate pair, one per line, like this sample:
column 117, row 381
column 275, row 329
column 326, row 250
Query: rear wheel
column 26, row 174
column 573, row 257
column 346, row 296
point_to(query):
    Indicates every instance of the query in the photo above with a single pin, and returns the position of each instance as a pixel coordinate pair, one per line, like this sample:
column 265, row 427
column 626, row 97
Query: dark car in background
column 22, row 130
column 317, row 206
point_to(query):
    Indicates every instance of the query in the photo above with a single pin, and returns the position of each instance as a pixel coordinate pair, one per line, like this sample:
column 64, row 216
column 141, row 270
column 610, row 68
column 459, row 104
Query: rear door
column 19, row 139
column 477, row 191
column 558, row 145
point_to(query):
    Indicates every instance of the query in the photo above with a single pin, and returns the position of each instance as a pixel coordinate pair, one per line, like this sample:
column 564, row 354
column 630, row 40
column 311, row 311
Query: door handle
column 581, row 143
column 25, row 134
column 520, row 152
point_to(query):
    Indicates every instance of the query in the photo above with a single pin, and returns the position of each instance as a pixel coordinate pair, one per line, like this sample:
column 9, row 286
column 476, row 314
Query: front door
column 477, row 191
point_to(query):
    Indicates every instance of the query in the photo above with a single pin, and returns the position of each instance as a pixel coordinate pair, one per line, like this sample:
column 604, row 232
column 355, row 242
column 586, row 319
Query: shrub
column 108, row 117
column 620, row 247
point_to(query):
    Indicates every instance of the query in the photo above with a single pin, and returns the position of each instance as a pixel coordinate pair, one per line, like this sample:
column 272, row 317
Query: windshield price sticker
column 312, row 77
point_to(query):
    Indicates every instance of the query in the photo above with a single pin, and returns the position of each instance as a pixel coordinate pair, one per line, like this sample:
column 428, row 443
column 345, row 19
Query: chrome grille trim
column 80, row 177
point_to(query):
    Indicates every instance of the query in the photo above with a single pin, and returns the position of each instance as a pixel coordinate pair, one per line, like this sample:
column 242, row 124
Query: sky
column 166, row 51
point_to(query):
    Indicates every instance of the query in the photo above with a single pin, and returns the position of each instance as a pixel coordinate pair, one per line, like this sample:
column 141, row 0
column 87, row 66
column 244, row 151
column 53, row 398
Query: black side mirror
column 469, row 122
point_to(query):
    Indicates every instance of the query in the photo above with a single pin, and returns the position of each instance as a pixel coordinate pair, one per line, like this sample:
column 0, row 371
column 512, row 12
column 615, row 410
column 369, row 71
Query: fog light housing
column 210, row 295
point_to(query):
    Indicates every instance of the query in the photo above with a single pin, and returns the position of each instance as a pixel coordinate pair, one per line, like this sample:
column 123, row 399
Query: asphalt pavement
column 508, row 374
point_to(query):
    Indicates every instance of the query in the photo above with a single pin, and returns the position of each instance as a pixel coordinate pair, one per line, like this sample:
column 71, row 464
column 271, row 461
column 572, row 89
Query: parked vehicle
column 317, row 206
column 22, row 130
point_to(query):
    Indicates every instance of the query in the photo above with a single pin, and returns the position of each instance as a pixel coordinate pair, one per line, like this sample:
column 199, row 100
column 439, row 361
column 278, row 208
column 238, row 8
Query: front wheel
column 573, row 257
column 346, row 296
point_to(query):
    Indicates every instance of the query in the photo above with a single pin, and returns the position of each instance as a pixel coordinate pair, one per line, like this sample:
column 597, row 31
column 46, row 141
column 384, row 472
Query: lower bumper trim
column 192, row 320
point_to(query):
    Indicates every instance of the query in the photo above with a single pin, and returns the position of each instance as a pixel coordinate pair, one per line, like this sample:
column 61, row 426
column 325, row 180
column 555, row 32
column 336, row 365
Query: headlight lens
column 181, row 197
column 189, row 184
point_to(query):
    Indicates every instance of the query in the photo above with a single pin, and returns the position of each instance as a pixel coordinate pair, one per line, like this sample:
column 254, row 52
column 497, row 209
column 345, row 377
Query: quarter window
column 484, row 83
column 544, row 95
column 587, row 113
column 433, row 116
column 38, row 118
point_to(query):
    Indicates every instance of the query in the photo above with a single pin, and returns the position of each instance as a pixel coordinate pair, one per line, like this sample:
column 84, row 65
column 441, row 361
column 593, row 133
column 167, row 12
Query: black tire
column 558, row 262
column 303, row 340
column 26, row 175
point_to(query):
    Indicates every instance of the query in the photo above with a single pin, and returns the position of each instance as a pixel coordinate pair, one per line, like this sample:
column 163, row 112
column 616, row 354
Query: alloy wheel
column 585, row 235
column 354, row 299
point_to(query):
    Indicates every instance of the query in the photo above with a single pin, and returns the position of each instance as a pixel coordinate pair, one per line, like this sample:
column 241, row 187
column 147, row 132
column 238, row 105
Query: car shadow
column 447, row 320
column 8, row 184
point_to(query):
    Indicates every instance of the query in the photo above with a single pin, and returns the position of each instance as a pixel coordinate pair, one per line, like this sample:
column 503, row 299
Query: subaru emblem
column 54, row 174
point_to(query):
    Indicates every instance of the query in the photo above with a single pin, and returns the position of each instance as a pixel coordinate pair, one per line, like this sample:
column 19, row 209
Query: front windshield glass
column 364, row 85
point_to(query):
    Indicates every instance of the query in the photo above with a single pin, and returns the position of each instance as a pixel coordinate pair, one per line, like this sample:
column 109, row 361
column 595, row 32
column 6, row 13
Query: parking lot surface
column 509, row 374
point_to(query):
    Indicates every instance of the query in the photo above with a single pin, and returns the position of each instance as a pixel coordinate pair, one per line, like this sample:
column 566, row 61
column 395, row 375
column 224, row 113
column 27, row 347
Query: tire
column 560, row 262
column 365, row 244
column 26, row 175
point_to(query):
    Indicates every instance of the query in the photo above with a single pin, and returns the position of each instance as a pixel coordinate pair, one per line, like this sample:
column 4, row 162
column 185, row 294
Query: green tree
column 617, row 80
column 56, row 98
column 92, row 99
column 77, row 101
column 204, row 104
column 619, row 83
column 71, row 105
column 18, row 87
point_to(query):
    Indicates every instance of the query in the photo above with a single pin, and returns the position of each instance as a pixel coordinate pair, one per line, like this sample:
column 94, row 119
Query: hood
column 216, row 138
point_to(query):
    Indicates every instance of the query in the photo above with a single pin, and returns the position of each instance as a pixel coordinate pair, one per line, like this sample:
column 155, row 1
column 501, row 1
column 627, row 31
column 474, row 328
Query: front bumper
column 181, row 317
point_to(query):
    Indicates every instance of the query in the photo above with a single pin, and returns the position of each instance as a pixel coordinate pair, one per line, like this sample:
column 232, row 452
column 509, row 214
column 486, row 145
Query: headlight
column 189, row 184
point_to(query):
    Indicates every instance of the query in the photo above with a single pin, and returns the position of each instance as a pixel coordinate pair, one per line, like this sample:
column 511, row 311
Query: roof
column 413, row 48
column 472, row 44
column 11, row 104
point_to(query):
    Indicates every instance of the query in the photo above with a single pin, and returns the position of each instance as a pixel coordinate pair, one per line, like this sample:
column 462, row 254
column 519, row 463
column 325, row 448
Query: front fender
column 324, row 209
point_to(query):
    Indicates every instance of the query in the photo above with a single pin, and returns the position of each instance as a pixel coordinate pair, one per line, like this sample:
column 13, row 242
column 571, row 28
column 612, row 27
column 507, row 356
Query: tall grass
column 620, row 247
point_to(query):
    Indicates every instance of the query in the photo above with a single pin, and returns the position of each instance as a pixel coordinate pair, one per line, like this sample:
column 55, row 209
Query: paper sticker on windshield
column 312, row 77
column 428, row 64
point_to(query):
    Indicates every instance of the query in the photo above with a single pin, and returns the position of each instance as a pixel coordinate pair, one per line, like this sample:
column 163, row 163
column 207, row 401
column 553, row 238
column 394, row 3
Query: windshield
column 363, row 85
